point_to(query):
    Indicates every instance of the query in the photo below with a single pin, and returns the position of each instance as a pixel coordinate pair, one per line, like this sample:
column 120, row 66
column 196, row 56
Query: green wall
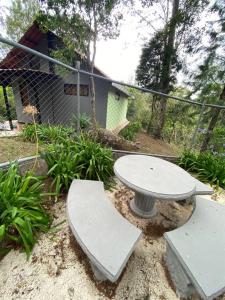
column 116, row 111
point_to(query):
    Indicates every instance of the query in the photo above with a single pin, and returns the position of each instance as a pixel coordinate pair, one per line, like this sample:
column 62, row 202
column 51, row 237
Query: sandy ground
column 58, row 269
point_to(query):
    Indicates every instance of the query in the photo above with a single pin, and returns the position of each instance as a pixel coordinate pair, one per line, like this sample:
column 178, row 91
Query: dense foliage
column 207, row 166
column 20, row 17
column 82, row 158
column 46, row 133
column 130, row 131
column 22, row 215
column 162, row 57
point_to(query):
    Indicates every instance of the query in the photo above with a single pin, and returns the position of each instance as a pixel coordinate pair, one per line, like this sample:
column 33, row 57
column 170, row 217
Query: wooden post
column 7, row 105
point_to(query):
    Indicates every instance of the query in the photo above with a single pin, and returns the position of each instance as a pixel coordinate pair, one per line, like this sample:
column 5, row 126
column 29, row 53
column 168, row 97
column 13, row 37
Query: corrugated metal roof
column 31, row 39
column 6, row 75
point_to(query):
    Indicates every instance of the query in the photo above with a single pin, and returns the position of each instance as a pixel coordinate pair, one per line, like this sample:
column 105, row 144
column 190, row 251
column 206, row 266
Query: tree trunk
column 215, row 112
column 152, row 120
column 166, row 68
column 92, row 82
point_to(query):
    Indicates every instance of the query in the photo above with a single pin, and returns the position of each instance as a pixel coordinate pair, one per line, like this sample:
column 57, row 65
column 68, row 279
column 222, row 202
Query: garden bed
column 58, row 269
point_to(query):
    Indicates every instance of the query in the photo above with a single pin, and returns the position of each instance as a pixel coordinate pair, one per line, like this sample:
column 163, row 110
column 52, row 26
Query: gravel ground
column 58, row 269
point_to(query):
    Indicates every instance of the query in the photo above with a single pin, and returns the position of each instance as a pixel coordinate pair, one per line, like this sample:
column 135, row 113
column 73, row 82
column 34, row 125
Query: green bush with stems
column 207, row 166
column 81, row 158
column 129, row 132
column 46, row 133
column 22, row 214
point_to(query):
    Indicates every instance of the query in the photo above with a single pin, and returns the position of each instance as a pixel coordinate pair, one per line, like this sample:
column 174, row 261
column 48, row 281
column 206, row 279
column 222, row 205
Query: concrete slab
column 199, row 246
column 105, row 236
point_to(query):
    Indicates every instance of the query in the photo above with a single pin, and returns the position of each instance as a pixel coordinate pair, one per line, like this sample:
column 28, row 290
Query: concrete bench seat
column 105, row 236
column 195, row 253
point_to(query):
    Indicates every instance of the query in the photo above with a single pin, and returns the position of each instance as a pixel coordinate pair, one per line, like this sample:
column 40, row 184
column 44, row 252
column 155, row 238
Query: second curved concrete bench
column 195, row 253
column 105, row 236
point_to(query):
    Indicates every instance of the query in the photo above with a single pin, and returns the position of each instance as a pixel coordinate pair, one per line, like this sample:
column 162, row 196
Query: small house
column 53, row 89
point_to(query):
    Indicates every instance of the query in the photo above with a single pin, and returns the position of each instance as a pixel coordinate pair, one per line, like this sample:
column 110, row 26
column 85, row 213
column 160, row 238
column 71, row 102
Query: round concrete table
column 152, row 178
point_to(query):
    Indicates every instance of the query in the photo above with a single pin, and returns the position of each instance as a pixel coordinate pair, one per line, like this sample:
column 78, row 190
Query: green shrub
column 130, row 131
column 81, row 159
column 208, row 167
column 46, row 133
column 85, row 121
column 21, row 212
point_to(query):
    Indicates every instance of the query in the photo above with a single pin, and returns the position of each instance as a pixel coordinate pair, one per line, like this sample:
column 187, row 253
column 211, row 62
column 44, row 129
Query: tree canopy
column 20, row 16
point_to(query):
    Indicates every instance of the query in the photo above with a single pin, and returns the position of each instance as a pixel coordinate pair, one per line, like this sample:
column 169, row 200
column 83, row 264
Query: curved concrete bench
column 104, row 235
column 196, row 251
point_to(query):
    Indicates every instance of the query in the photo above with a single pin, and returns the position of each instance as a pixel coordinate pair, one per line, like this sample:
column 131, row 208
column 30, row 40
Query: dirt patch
column 58, row 268
column 107, row 288
column 155, row 146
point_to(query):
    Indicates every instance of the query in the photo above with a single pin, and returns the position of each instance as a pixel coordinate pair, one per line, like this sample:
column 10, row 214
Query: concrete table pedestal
column 143, row 205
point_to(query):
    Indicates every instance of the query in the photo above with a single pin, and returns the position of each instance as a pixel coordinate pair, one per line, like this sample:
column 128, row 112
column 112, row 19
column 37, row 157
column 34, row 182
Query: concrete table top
column 153, row 178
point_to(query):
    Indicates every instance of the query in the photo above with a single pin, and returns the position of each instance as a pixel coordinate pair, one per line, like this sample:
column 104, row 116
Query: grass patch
column 12, row 148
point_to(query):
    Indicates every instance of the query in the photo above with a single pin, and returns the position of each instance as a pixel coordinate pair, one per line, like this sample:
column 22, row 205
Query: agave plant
column 21, row 212
column 80, row 159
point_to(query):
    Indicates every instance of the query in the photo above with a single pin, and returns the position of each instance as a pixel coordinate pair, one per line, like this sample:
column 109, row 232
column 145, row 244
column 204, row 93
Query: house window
column 84, row 90
column 24, row 94
column 71, row 89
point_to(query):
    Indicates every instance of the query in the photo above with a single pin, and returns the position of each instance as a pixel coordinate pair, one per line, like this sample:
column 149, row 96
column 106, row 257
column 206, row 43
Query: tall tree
column 86, row 22
column 209, row 81
column 149, row 74
column 20, row 16
column 177, row 27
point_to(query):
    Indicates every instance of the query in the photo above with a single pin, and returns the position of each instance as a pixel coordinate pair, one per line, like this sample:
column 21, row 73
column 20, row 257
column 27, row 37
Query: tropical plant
column 84, row 120
column 22, row 214
column 82, row 158
column 207, row 166
column 130, row 131
column 46, row 133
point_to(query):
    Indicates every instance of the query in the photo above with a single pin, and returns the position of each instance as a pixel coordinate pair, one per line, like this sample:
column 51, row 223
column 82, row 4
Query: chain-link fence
column 60, row 94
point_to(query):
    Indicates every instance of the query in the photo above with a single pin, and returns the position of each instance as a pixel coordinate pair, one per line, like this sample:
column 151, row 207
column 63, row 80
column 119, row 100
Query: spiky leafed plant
column 22, row 214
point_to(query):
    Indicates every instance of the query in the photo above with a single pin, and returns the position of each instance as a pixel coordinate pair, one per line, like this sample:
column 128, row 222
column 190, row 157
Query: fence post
column 192, row 144
column 78, row 97
column 7, row 105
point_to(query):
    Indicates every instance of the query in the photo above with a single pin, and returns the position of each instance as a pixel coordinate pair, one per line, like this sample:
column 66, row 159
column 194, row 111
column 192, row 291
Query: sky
column 119, row 58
